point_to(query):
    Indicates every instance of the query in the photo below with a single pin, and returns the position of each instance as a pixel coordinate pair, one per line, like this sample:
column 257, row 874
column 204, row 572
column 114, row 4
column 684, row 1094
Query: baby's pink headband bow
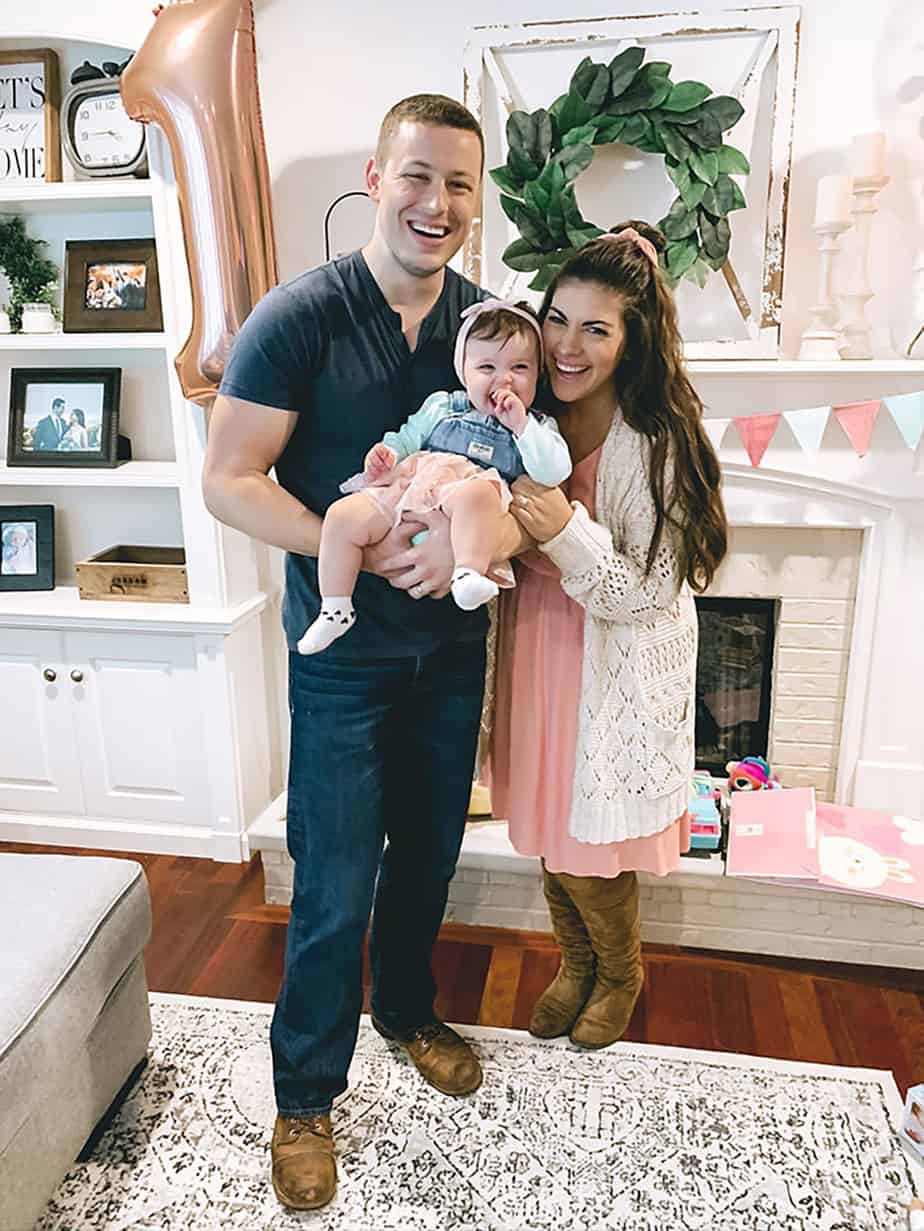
column 471, row 314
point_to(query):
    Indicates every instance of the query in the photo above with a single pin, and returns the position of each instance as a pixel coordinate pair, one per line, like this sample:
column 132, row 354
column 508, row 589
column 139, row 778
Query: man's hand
column 379, row 460
column 424, row 571
column 510, row 411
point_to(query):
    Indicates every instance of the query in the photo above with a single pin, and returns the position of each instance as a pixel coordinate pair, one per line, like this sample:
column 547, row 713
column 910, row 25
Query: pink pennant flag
column 756, row 432
column 858, row 419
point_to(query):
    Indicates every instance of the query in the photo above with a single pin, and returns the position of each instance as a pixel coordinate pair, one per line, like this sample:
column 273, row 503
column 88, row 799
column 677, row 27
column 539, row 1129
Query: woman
column 593, row 738
column 76, row 437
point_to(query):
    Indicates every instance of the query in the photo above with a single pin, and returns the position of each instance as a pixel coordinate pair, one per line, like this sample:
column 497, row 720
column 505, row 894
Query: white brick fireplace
column 838, row 543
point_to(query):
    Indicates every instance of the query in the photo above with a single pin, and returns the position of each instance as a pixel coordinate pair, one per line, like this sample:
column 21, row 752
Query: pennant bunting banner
column 756, row 432
column 808, row 426
column 858, row 419
column 908, row 412
column 715, row 429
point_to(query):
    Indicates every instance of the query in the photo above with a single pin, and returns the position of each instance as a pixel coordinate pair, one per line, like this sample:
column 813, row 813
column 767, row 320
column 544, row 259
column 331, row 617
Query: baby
column 458, row 453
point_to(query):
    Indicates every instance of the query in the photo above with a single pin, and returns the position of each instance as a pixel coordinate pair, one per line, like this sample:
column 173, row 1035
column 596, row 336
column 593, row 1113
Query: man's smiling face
column 426, row 192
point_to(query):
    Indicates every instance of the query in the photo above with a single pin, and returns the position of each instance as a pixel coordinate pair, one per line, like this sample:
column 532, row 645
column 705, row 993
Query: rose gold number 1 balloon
column 195, row 76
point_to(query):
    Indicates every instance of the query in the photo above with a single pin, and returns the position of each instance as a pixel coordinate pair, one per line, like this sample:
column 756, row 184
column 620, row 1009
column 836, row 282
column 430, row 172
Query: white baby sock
column 471, row 589
column 335, row 618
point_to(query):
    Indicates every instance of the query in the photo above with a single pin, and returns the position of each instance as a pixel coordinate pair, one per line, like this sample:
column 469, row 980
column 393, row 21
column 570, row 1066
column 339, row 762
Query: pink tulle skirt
column 420, row 483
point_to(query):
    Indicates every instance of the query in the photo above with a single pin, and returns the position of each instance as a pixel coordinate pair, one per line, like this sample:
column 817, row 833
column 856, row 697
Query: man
column 384, row 724
column 50, row 429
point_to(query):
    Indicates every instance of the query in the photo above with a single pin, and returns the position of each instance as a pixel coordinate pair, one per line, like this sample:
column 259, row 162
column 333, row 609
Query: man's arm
column 244, row 441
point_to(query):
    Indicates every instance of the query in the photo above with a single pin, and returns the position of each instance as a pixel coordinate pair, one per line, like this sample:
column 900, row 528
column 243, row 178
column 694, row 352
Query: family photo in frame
column 27, row 547
column 64, row 417
column 111, row 285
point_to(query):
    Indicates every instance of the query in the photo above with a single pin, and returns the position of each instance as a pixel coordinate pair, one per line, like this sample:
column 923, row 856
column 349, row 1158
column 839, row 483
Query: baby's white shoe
column 336, row 617
column 471, row 590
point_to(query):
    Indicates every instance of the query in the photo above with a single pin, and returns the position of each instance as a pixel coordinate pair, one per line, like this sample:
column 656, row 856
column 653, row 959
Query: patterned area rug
column 636, row 1137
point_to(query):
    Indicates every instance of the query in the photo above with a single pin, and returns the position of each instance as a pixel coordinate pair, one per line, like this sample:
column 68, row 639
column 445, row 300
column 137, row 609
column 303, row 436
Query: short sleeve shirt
column 328, row 346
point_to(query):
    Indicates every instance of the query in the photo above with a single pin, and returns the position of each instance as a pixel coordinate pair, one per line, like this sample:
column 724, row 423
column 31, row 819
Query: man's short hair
column 56, row 402
column 434, row 109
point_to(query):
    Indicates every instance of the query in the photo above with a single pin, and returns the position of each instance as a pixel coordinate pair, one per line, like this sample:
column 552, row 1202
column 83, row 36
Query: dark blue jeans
column 382, row 754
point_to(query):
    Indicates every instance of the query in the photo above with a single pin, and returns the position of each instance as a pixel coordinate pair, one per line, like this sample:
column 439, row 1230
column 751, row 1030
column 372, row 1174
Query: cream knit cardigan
column 635, row 745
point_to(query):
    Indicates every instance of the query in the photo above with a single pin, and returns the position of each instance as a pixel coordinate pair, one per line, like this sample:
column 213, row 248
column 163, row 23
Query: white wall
column 861, row 68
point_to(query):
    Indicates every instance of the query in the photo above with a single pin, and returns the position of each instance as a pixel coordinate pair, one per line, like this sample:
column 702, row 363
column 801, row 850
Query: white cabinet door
column 39, row 763
column 139, row 723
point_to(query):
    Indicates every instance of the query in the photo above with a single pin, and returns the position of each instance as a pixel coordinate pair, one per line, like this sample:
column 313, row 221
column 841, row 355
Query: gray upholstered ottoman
column 74, row 1017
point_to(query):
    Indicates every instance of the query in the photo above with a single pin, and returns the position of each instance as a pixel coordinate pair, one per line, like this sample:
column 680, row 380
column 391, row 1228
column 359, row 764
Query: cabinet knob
column 50, row 674
column 77, row 676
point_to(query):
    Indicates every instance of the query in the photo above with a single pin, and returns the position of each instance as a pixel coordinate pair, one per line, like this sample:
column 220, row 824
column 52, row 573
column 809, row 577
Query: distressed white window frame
column 780, row 28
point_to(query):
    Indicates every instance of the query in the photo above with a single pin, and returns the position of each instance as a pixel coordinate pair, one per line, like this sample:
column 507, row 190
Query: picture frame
column 750, row 54
column 30, row 100
column 111, row 286
column 64, row 417
column 27, row 547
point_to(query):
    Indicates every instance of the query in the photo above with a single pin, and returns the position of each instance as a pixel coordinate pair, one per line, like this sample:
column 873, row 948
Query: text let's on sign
column 28, row 117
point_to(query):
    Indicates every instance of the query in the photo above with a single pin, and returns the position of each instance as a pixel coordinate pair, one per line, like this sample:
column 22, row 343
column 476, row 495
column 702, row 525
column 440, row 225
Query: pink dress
column 540, row 649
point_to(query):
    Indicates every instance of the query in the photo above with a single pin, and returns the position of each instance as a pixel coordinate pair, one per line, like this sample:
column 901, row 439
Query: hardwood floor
column 213, row 936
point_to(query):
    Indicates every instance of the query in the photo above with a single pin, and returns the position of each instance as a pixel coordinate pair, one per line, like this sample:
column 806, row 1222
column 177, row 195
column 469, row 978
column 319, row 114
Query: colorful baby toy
column 750, row 774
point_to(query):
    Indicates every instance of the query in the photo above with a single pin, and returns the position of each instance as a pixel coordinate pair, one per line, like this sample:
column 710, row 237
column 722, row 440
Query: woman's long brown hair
column 656, row 398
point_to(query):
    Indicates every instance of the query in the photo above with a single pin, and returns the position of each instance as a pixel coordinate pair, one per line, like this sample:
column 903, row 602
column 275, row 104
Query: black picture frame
column 99, row 274
column 34, row 419
column 27, row 547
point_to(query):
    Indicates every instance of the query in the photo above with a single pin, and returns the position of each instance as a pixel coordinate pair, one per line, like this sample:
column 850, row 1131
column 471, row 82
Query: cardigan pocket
column 666, row 669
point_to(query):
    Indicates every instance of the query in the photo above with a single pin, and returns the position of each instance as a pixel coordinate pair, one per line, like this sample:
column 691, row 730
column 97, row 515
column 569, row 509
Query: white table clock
column 99, row 137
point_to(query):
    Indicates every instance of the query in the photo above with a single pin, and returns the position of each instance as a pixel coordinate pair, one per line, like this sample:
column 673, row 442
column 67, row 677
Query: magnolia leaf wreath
column 637, row 105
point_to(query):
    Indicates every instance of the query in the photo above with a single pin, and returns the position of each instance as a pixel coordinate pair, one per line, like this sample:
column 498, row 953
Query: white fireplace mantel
column 881, row 758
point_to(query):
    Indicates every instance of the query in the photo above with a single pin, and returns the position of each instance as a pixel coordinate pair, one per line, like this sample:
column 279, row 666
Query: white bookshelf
column 85, row 196
column 17, row 342
column 127, row 474
column 132, row 725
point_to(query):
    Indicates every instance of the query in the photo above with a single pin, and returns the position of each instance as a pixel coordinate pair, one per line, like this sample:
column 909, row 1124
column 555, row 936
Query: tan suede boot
column 610, row 911
column 556, row 1010
column 304, row 1168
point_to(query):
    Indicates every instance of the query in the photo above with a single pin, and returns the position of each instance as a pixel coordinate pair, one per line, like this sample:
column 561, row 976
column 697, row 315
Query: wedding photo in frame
column 27, row 547
column 111, row 286
column 748, row 55
column 64, row 417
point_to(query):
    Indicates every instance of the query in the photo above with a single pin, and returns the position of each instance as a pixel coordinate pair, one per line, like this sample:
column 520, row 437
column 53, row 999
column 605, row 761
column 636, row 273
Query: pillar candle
column 867, row 155
column 833, row 201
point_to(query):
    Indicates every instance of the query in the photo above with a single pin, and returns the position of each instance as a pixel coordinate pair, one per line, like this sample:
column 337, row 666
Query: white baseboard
column 111, row 835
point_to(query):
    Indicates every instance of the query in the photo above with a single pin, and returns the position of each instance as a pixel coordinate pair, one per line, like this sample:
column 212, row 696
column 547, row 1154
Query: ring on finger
column 523, row 501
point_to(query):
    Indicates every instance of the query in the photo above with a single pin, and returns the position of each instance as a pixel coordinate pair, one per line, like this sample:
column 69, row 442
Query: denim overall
column 481, row 438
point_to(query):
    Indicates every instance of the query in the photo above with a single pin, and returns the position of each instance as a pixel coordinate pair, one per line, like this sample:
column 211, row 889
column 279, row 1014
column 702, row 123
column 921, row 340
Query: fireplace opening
column 733, row 679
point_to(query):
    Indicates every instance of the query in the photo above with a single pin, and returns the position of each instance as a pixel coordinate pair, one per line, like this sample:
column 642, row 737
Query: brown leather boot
column 304, row 1170
column 610, row 911
column 442, row 1057
column 556, row 1010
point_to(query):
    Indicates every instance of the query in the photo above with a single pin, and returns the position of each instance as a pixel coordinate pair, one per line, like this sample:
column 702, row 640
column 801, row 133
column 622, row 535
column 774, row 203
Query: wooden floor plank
column 499, row 998
column 807, row 1026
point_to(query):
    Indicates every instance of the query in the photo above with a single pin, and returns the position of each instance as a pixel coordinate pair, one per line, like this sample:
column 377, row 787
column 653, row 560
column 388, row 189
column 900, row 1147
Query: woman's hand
column 543, row 512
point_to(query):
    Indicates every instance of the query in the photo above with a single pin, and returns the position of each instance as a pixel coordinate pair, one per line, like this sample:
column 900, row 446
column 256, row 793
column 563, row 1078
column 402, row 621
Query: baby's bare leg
column 349, row 525
column 475, row 513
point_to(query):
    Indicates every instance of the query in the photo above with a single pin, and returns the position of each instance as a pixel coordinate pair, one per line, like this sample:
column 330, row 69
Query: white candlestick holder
column 821, row 339
column 856, row 340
